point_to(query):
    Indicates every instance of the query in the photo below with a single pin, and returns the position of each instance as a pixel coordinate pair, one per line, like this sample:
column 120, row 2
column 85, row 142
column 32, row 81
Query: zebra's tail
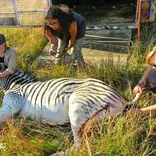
column 137, row 96
column 131, row 103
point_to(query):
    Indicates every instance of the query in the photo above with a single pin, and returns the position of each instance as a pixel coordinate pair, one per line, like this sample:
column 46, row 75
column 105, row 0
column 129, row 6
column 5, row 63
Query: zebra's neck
column 15, row 80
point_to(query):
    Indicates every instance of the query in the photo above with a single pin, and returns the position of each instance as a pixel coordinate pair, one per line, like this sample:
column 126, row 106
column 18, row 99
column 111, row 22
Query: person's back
column 80, row 25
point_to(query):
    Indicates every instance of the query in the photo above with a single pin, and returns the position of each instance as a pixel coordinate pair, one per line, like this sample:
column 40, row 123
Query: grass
column 122, row 136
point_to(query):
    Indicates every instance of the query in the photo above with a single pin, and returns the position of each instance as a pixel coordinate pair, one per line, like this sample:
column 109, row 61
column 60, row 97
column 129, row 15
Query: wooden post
column 48, row 2
column 16, row 12
column 138, row 17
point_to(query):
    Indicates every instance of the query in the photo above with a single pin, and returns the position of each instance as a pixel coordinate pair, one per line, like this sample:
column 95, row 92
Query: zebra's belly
column 53, row 114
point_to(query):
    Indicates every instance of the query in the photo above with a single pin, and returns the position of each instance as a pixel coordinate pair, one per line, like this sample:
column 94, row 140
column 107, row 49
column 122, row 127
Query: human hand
column 66, row 49
column 137, row 89
column 53, row 50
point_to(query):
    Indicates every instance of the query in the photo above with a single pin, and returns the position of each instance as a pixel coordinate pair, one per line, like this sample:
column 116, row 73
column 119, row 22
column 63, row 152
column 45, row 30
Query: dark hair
column 64, row 5
column 2, row 39
column 64, row 18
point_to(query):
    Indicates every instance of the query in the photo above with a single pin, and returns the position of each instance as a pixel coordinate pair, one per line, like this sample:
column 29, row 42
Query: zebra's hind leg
column 83, row 109
column 78, row 115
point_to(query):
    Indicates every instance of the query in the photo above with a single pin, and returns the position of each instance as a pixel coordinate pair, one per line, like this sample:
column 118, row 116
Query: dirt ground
column 90, row 56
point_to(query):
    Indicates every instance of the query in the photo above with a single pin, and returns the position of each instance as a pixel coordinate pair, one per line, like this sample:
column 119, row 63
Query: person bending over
column 69, row 28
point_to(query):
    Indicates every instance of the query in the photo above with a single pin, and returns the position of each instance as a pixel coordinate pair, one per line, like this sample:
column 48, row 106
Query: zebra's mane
column 17, row 78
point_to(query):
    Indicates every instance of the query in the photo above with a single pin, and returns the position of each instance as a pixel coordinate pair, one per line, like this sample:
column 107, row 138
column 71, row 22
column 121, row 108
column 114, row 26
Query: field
column 125, row 135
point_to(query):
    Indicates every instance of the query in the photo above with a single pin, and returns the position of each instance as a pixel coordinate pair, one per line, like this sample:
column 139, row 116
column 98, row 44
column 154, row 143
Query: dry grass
column 122, row 136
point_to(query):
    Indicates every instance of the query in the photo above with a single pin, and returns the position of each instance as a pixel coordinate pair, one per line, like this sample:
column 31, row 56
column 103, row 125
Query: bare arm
column 5, row 73
column 52, row 39
column 143, row 80
column 50, row 36
column 150, row 109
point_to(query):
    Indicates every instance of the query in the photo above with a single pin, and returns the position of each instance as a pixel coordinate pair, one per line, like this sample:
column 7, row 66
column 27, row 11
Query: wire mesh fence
column 30, row 12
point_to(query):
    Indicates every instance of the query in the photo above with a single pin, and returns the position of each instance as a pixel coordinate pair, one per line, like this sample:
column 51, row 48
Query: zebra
column 59, row 101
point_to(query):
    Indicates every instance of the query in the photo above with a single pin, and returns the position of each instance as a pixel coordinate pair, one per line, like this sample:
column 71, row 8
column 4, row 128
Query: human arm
column 150, row 109
column 52, row 39
column 5, row 73
column 73, row 32
column 140, row 86
column 145, row 110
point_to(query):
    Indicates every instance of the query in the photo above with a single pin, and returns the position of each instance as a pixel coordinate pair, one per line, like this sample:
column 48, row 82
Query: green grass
column 122, row 136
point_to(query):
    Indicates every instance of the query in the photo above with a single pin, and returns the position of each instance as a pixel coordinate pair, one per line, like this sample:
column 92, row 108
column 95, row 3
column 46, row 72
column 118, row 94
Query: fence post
column 16, row 12
column 138, row 17
column 49, row 2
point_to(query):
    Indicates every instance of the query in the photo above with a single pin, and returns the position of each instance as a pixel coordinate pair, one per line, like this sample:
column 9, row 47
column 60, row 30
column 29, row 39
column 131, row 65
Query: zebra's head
column 17, row 78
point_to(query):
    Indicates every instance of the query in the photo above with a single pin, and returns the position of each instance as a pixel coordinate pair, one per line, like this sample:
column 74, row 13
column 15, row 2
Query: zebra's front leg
column 12, row 104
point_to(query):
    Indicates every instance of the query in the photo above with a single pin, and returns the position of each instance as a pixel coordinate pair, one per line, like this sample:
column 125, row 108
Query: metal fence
column 19, row 12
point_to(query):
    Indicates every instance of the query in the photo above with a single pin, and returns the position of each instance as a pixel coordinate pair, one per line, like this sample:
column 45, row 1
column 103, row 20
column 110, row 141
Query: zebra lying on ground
column 59, row 101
